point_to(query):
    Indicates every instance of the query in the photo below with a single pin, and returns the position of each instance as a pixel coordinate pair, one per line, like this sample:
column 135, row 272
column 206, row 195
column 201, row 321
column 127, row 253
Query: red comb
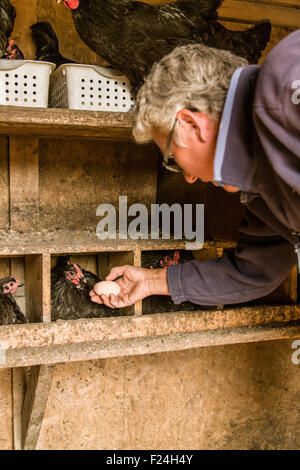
column 72, row 4
column 79, row 272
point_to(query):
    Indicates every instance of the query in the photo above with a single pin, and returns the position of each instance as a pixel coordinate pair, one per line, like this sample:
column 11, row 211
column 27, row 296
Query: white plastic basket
column 90, row 87
column 25, row 83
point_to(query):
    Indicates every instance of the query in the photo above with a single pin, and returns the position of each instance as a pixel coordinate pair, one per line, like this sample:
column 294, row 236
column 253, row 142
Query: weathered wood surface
column 18, row 393
column 154, row 344
column 137, row 256
column 280, row 12
column 23, row 183
column 77, row 241
column 4, row 184
column 35, row 402
column 37, row 335
column 287, row 15
column 63, row 341
column 65, row 123
column 6, row 418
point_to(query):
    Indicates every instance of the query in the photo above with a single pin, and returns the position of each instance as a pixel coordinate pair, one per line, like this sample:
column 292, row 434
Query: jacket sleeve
column 255, row 268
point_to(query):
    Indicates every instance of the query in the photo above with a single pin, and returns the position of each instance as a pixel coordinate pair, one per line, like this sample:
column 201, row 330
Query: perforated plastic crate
column 25, row 83
column 90, row 87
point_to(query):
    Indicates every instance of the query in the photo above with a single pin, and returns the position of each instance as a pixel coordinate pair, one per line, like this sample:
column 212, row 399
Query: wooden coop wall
column 240, row 396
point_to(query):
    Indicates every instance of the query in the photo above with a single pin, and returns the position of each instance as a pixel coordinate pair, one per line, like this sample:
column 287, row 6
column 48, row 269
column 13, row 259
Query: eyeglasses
column 171, row 166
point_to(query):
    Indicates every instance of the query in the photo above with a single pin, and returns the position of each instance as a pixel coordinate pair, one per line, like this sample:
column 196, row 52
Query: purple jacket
column 258, row 151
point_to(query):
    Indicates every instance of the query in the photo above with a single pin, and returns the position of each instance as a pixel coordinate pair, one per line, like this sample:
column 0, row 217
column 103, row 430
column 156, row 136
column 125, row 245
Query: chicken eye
column 11, row 284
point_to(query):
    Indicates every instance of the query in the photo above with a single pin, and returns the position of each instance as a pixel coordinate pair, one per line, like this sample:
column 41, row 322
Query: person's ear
column 195, row 121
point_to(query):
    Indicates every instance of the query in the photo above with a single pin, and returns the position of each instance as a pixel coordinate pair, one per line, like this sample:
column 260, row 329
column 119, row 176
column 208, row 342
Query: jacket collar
column 235, row 162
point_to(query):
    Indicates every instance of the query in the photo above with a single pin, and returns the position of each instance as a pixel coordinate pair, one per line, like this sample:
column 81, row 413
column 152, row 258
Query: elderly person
column 237, row 126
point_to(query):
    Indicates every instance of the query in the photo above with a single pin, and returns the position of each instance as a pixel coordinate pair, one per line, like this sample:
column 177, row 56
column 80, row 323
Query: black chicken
column 132, row 35
column 47, row 44
column 70, row 288
column 7, row 21
column 62, row 265
column 10, row 312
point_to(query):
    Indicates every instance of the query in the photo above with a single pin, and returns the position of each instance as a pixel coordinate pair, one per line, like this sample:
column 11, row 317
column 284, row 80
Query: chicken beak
column 20, row 283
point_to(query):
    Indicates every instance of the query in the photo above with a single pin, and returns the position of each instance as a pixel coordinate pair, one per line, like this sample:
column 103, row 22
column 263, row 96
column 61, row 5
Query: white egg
column 107, row 288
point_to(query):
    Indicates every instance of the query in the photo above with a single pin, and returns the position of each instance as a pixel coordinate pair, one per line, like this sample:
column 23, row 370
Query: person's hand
column 135, row 284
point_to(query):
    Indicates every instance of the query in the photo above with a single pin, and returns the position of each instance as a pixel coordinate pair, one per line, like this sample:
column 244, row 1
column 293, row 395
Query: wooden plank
column 6, row 425
column 73, row 182
column 284, row 3
column 4, row 185
column 17, row 270
column 35, row 402
column 137, row 261
column 63, row 341
column 80, row 241
column 152, row 344
column 18, row 392
column 65, row 123
column 249, row 12
column 34, row 287
column 24, row 183
column 4, row 267
column 46, row 287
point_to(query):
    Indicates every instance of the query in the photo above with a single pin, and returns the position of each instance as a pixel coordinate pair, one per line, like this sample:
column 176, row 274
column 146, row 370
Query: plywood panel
column 23, row 183
column 6, row 437
column 71, row 188
column 85, row 407
column 231, row 397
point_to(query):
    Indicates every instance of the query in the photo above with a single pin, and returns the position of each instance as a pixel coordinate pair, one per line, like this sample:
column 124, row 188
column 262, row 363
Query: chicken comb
column 72, row 4
column 79, row 272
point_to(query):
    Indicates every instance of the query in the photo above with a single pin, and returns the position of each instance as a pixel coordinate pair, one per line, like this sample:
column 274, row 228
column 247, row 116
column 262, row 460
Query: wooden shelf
column 85, row 339
column 62, row 241
column 65, row 123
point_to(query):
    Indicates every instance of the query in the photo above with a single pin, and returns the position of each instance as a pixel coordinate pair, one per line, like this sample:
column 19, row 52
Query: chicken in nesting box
column 8, row 50
column 47, row 46
column 10, row 312
column 132, row 36
column 70, row 288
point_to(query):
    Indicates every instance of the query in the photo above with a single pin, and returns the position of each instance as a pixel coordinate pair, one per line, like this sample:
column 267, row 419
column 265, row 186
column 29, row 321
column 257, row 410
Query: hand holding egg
column 106, row 288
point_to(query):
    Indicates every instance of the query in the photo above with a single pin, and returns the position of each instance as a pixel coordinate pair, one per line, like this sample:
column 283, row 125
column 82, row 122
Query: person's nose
column 189, row 178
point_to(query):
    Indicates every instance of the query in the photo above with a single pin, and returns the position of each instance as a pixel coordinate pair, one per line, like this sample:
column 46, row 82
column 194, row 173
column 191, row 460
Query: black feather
column 132, row 36
column 70, row 301
column 47, row 44
column 10, row 312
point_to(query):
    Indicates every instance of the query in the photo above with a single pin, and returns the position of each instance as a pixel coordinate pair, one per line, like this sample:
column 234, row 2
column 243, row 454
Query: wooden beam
column 137, row 261
column 82, row 242
column 37, row 287
column 154, row 344
column 53, row 123
column 35, row 402
column 63, row 341
column 250, row 12
column 18, row 392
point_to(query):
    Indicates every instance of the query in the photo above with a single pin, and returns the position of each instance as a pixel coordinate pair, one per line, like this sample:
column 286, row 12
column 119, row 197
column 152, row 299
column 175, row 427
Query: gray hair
column 192, row 76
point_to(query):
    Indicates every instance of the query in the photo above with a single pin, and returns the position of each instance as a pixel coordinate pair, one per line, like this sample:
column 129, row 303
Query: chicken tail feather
column 47, row 44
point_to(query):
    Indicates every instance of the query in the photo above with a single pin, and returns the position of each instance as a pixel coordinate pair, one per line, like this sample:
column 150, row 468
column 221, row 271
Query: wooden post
column 35, row 402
